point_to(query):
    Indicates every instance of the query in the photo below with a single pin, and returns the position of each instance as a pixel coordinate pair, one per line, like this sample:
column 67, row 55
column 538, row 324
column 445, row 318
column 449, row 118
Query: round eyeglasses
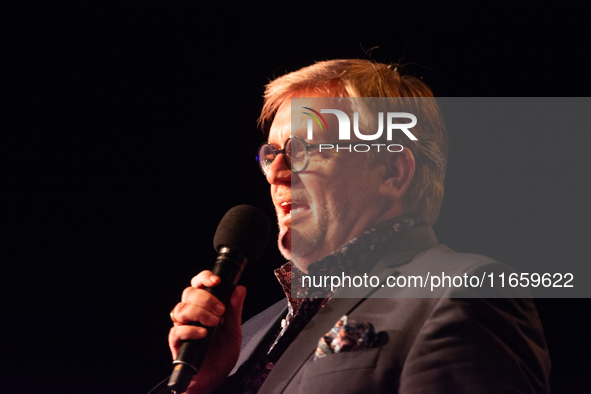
column 296, row 154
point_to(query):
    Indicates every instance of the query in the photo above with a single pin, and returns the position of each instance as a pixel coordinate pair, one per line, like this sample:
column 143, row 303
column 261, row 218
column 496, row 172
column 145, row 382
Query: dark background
column 129, row 129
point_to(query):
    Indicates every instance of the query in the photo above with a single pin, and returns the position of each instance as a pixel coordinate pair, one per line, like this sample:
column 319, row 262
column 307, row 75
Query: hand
column 198, row 305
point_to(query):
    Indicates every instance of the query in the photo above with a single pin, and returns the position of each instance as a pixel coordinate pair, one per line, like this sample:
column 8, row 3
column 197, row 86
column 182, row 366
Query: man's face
column 328, row 204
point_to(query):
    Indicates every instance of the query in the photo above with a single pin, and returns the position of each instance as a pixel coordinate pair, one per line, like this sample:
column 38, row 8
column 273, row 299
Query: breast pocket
column 346, row 363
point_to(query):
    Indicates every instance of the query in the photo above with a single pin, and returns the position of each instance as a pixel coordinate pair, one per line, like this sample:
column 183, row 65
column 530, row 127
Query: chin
column 306, row 248
column 284, row 242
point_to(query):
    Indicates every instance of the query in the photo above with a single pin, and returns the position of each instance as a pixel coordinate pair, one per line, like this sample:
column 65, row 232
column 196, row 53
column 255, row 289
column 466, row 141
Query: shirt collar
column 355, row 257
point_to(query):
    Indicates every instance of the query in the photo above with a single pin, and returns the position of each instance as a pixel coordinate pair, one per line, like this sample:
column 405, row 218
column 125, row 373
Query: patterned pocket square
column 346, row 336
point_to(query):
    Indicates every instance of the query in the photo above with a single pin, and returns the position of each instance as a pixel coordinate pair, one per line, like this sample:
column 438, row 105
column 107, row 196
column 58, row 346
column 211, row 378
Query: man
column 354, row 214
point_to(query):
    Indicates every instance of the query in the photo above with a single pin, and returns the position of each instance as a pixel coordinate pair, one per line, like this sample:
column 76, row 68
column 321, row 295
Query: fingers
column 197, row 304
column 178, row 334
column 188, row 313
column 200, row 306
column 205, row 278
column 203, row 299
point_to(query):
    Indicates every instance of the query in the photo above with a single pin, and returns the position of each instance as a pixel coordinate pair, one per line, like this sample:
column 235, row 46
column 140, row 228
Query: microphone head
column 244, row 228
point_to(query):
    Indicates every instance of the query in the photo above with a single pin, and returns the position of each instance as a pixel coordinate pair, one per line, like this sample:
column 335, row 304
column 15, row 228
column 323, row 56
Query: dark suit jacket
column 448, row 344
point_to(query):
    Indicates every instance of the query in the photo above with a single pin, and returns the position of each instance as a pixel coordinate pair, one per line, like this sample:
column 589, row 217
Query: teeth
column 285, row 203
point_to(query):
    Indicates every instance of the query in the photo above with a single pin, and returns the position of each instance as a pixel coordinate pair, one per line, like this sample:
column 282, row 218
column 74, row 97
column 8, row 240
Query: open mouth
column 290, row 207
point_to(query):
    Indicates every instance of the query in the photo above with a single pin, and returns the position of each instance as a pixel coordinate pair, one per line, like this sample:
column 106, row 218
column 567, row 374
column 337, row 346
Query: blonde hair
column 364, row 78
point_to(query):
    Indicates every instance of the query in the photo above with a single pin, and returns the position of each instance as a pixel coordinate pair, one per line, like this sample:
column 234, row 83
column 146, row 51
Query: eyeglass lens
column 294, row 154
column 298, row 154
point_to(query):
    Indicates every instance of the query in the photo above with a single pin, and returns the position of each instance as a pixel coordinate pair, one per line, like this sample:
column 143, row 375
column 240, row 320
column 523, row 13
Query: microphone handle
column 228, row 266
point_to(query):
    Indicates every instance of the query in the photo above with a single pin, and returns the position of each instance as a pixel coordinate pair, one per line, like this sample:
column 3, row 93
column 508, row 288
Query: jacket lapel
column 257, row 329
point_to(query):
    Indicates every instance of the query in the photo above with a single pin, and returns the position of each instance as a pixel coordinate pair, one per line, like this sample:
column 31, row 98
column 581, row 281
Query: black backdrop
column 130, row 128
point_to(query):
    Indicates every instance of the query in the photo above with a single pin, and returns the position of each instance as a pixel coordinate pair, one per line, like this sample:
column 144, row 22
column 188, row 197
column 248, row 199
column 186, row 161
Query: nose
column 279, row 173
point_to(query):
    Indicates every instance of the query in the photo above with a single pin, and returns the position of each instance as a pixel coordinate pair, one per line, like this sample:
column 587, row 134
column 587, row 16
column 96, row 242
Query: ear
column 400, row 169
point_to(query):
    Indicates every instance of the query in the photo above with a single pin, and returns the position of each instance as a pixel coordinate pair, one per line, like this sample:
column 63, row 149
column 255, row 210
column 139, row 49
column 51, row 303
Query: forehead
column 285, row 126
column 281, row 126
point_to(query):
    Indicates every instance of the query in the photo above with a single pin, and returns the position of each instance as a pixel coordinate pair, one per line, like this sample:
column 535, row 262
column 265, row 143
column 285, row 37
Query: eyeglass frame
column 307, row 146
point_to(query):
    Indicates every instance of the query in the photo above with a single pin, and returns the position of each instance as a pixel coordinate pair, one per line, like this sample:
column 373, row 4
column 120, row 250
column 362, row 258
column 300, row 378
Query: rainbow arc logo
column 316, row 119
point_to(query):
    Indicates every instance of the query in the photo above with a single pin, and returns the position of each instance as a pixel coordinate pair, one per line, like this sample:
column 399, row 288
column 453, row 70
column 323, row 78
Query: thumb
column 233, row 315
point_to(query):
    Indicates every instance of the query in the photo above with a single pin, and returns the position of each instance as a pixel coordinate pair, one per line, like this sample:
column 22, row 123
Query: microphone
column 241, row 236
